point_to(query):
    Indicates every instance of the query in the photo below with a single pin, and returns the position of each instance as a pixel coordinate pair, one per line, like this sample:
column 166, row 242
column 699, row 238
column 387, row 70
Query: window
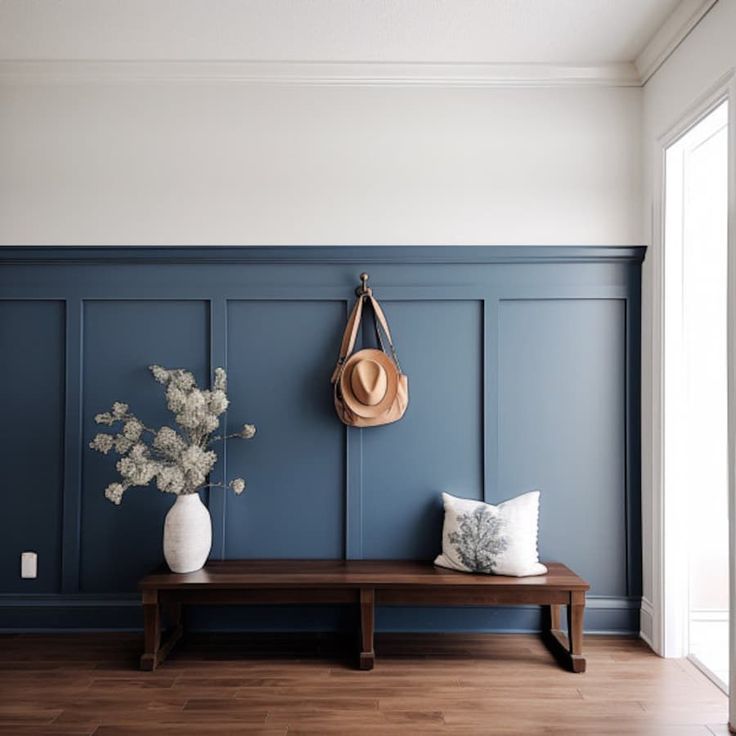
column 696, row 393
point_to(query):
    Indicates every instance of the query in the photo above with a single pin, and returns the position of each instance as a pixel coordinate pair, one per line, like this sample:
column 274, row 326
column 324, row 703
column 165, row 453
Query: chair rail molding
column 331, row 254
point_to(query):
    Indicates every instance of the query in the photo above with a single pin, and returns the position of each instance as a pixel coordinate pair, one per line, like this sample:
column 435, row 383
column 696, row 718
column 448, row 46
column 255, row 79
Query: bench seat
column 364, row 583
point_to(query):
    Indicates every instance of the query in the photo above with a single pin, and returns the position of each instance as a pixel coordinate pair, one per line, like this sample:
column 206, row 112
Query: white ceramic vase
column 187, row 534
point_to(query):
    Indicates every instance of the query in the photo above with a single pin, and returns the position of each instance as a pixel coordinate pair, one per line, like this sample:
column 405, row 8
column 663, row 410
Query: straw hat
column 368, row 382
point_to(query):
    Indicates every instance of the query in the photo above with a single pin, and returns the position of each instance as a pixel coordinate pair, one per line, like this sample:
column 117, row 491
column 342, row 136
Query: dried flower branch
column 179, row 462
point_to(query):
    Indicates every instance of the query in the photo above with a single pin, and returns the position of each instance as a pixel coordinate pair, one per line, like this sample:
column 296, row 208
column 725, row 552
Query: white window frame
column 666, row 608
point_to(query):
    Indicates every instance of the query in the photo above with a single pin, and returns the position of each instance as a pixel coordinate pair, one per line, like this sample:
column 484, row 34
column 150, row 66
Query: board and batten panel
column 121, row 339
column 562, row 428
column 438, row 444
column 32, row 346
column 280, row 355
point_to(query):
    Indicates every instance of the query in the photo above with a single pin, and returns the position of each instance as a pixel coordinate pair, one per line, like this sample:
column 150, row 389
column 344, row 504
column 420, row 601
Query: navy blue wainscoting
column 523, row 369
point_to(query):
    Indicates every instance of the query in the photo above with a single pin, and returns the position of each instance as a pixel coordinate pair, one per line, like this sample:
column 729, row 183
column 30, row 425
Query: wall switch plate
column 29, row 565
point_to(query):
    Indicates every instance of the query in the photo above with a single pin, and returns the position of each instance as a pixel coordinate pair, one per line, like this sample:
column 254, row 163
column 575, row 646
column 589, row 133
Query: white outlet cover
column 29, row 565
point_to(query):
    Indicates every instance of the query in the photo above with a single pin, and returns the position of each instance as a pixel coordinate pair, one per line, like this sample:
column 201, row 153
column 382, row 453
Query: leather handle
column 349, row 336
column 351, row 332
column 381, row 317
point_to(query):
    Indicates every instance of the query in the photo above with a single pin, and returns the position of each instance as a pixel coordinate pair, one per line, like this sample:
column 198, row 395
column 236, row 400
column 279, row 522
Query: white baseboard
column 646, row 624
column 712, row 676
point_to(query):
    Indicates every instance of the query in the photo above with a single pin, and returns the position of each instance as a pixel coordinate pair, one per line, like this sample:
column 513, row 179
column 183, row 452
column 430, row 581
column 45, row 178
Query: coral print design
column 479, row 539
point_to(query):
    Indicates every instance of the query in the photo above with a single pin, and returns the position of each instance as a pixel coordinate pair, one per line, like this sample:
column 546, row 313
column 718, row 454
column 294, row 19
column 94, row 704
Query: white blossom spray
column 178, row 461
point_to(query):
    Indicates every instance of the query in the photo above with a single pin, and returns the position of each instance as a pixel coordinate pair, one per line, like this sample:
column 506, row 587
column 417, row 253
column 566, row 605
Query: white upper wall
column 109, row 153
column 231, row 163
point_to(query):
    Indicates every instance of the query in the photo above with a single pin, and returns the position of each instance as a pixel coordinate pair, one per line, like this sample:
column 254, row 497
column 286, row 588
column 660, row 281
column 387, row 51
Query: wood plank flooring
column 89, row 684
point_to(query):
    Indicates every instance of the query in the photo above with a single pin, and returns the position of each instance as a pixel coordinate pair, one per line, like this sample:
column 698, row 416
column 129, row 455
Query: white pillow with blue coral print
column 496, row 540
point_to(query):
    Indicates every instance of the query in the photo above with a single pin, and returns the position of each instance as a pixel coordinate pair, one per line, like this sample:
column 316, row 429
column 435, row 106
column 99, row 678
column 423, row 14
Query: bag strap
column 379, row 318
column 378, row 313
column 349, row 336
column 351, row 332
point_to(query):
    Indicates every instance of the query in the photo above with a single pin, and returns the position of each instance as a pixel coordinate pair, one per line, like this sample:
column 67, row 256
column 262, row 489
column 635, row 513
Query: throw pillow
column 498, row 540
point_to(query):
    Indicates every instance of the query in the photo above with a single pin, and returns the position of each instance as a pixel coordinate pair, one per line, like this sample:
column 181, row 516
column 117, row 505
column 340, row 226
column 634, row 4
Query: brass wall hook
column 363, row 289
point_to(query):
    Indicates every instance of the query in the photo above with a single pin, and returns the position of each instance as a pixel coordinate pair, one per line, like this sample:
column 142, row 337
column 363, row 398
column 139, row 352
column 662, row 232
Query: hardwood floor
column 84, row 684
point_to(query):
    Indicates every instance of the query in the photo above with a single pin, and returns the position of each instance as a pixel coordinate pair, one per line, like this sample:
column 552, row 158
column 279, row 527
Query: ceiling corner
column 670, row 35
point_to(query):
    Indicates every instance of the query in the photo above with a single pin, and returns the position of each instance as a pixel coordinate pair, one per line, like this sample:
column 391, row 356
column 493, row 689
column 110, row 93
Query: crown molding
column 323, row 74
column 670, row 35
column 663, row 43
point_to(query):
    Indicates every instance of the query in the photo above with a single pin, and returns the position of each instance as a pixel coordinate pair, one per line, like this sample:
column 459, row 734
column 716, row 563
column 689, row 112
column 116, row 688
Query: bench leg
column 367, row 624
column 568, row 650
column 173, row 610
column 152, row 633
column 155, row 649
column 575, row 616
column 555, row 618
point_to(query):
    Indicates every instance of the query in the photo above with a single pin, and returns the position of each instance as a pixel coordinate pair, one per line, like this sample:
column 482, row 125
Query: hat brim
column 392, row 383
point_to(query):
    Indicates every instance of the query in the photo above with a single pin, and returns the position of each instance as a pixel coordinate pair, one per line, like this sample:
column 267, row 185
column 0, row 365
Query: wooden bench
column 365, row 583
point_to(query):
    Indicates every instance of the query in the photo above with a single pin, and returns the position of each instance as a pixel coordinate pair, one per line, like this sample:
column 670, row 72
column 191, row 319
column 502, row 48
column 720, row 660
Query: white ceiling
column 583, row 32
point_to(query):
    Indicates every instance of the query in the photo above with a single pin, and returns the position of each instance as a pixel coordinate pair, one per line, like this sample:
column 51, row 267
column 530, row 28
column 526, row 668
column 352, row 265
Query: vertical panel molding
column 632, row 428
column 72, row 503
column 491, row 428
column 353, row 486
column 218, row 496
column 353, row 493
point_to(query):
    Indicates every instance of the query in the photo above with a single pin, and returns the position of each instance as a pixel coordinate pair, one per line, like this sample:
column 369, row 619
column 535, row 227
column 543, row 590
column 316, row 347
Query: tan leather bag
column 369, row 387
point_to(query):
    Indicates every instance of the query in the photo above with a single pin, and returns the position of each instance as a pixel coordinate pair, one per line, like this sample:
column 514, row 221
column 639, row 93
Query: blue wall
column 524, row 373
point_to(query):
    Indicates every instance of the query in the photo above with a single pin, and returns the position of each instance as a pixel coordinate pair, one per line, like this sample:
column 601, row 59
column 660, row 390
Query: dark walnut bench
column 364, row 583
